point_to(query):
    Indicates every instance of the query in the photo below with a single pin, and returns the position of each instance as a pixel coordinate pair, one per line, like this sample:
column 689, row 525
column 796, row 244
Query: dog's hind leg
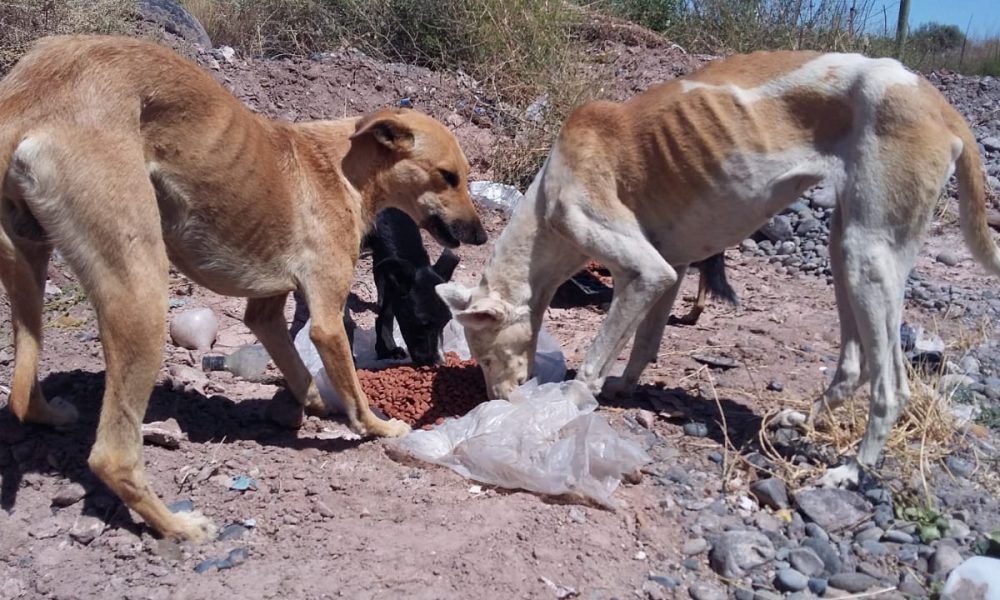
column 22, row 270
column 646, row 344
column 92, row 194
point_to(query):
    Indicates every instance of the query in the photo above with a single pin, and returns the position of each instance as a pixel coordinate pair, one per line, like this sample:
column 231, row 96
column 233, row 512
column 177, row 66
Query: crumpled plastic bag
column 545, row 439
column 495, row 195
column 550, row 364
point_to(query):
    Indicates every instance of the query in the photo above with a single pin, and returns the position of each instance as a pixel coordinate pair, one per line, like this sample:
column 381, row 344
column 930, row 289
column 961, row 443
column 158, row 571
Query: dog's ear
column 484, row 313
column 446, row 263
column 387, row 129
column 455, row 295
column 397, row 273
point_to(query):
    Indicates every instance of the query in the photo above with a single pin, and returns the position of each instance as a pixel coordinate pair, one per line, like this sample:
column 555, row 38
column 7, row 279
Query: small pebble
column 817, row 586
column 790, row 580
column 696, row 429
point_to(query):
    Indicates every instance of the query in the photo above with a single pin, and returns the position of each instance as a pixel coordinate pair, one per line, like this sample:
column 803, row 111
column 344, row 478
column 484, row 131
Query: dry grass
column 267, row 27
column 926, row 432
column 23, row 21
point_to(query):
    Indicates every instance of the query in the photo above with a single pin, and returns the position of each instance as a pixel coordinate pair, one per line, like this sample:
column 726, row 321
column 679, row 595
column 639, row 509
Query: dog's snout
column 469, row 232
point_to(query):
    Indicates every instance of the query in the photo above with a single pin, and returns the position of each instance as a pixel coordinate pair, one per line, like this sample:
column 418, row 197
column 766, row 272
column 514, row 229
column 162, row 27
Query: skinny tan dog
column 680, row 172
column 124, row 156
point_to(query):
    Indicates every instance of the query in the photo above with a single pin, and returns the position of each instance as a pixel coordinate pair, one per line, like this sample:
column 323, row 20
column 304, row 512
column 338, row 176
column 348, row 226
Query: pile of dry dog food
column 599, row 272
column 424, row 396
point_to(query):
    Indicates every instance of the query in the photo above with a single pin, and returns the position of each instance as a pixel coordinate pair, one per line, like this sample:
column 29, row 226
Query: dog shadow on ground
column 742, row 424
column 26, row 448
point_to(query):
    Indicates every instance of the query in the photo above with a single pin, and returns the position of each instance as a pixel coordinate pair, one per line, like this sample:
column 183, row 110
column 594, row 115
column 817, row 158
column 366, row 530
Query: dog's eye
column 449, row 177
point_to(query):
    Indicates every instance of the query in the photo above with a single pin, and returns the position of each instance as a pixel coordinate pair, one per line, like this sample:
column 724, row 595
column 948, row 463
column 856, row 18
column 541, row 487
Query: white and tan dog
column 692, row 166
column 124, row 156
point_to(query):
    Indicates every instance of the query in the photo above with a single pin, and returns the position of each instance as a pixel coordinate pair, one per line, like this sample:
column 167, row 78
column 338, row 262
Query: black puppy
column 405, row 281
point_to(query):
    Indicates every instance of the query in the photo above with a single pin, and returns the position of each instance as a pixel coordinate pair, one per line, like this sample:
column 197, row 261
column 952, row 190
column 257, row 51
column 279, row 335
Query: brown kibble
column 422, row 396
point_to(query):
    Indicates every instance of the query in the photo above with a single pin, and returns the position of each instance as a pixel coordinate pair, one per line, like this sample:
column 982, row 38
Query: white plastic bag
column 545, row 439
column 550, row 365
column 496, row 195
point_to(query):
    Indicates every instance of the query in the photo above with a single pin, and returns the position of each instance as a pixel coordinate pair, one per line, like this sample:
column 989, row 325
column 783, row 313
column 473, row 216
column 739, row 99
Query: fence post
column 901, row 27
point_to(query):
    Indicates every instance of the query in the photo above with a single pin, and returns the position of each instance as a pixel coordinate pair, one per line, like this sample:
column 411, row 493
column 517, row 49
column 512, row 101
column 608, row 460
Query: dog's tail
column 713, row 269
column 972, row 196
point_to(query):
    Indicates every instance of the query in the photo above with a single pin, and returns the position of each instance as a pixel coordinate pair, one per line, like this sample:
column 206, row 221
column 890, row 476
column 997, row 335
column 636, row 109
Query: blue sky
column 985, row 14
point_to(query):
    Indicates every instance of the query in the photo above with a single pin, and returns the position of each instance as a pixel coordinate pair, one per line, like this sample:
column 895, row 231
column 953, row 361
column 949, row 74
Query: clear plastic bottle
column 248, row 362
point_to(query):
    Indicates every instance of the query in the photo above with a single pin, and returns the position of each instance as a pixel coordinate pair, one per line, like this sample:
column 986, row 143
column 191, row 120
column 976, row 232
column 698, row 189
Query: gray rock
column 898, row 537
column 48, row 527
column 817, row 585
column 170, row 15
column 806, row 561
column 748, row 246
column 163, row 433
column 86, row 529
column 69, row 494
column 991, row 143
column 948, row 258
column 691, row 564
column 883, row 516
column 853, row 582
column 825, row 198
column 650, row 589
column 815, row 531
column 233, row 531
column 807, row 226
column 957, row 529
column 704, row 590
column 958, row 466
column 832, row 509
column 778, row 229
column 826, row 552
column 734, row 553
column 970, row 365
column 910, row 585
column 978, row 578
column 770, row 492
column 872, row 533
column 947, row 384
column 874, row 547
column 665, row 581
column 790, row 580
column 696, row 429
column 908, row 554
column 786, row 248
column 694, row 546
column 945, row 560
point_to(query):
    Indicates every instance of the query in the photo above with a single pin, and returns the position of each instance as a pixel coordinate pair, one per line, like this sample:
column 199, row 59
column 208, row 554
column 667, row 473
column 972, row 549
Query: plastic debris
column 545, row 439
column 242, row 483
column 194, row 329
column 495, row 195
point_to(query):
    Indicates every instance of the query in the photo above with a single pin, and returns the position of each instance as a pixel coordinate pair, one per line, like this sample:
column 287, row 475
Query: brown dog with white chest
column 126, row 157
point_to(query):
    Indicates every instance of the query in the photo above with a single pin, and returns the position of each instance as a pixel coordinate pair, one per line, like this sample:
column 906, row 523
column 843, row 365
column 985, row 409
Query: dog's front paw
column 190, row 527
column 378, row 428
column 285, row 410
column 396, row 353
column 844, row 476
